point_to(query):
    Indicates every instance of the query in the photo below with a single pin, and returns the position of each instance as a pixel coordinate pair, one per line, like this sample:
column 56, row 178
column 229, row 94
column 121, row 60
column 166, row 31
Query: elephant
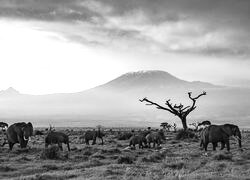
column 219, row 133
column 155, row 138
column 204, row 123
column 92, row 135
column 55, row 137
column 138, row 139
column 19, row 133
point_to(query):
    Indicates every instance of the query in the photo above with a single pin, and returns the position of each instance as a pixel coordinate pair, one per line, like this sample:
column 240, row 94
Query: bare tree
column 178, row 110
column 165, row 125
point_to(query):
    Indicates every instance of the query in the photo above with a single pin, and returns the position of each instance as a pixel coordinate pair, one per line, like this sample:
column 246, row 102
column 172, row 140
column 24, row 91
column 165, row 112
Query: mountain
column 151, row 80
column 9, row 92
column 116, row 103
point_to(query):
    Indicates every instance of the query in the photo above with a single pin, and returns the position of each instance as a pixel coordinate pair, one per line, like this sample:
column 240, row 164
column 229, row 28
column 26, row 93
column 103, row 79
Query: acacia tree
column 165, row 125
column 178, row 110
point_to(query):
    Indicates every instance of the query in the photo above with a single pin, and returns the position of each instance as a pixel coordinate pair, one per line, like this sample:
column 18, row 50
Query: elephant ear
column 235, row 129
column 18, row 130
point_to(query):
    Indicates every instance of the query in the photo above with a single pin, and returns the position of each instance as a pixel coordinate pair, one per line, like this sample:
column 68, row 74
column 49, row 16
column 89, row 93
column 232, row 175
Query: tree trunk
column 184, row 122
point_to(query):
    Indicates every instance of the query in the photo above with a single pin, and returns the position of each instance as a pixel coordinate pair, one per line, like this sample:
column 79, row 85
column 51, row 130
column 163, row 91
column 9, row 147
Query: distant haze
column 116, row 103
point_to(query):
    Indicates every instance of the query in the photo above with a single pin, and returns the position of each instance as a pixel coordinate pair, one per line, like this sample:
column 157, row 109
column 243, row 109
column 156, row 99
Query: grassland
column 176, row 159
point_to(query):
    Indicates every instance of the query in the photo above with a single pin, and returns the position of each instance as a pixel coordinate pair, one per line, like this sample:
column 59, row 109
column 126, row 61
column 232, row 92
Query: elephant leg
column 228, row 145
column 60, row 146
column 68, row 146
column 205, row 146
column 94, row 141
column 11, row 145
column 102, row 141
column 214, row 146
column 141, row 145
column 87, row 142
column 154, row 144
column 149, row 146
column 222, row 145
column 201, row 143
column 25, row 143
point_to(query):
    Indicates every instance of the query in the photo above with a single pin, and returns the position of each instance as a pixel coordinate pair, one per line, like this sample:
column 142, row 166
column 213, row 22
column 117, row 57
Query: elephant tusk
column 25, row 138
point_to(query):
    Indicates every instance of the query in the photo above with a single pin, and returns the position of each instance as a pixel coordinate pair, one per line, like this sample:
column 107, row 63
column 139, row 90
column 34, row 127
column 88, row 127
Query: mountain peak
column 151, row 75
column 9, row 91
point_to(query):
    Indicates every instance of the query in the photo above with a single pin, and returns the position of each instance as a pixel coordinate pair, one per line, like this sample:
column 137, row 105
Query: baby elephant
column 155, row 138
column 57, row 138
column 138, row 139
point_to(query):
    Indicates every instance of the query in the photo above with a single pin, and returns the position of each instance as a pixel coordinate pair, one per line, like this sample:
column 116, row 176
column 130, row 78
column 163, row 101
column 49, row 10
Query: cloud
column 214, row 27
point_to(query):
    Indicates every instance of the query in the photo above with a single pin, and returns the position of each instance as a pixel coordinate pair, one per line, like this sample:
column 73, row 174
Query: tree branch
column 157, row 105
column 194, row 101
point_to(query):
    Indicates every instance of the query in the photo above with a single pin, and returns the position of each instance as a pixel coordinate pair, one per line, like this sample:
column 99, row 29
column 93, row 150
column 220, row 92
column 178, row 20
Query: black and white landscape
column 124, row 89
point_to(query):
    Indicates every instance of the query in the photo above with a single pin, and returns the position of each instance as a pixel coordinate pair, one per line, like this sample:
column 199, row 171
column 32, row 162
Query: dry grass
column 176, row 159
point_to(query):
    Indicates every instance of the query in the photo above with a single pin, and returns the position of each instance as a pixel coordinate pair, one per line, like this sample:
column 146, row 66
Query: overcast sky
column 50, row 46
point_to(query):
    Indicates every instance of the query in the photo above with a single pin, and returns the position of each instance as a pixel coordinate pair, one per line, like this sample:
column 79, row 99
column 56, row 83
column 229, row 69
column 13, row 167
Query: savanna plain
column 174, row 159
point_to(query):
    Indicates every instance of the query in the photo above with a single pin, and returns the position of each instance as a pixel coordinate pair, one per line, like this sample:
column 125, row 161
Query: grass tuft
column 184, row 134
column 174, row 165
column 53, row 152
column 154, row 157
column 222, row 156
column 6, row 169
column 125, row 159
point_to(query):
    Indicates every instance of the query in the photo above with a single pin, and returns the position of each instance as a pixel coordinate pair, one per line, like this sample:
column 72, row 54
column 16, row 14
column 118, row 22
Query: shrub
column 6, row 169
column 124, row 136
column 154, row 157
column 50, row 167
column 53, row 152
column 185, row 134
column 98, row 155
column 246, row 155
column 174, row 165
column 222, row 156
column 125, row 160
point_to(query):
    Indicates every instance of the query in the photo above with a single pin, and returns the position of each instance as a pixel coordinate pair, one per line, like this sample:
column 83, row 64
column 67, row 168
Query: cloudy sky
column 50, row 46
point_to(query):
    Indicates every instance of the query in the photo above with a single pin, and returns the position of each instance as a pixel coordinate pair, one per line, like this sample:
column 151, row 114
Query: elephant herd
column 210, row 134
column 21, row 133
column 146, row 138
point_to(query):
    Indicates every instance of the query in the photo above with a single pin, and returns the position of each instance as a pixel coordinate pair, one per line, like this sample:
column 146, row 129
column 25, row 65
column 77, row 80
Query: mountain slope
column 116, row 103
column 152, row 82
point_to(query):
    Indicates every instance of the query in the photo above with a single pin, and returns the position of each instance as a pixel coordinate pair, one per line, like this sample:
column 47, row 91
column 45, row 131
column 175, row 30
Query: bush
column 154, row 157
column 245, row 155
column 6, row 169
column 98, row 155
column 53, row 152
column 124, row 136
column 174, row 165
column 222, row 156
column 185, row 134
column 49, row 167
column 125, row 160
